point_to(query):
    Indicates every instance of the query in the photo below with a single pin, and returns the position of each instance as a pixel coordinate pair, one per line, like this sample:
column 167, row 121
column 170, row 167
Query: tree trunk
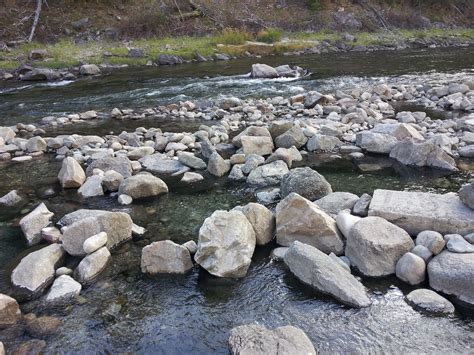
column 39, row 3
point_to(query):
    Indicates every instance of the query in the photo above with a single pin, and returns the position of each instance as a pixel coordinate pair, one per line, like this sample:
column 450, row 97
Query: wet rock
column 263, row 71
column 165, row 257
column 95, row 242
column 256, row 339
column 10, row 199
column 466, row 194
column 335, row 202
column 92, row 265
column 89, row 69
column 430, row 302
column 376, row 142
column 305, row 182
column 409, row 210
column 34, row 222
column 83, row 224
column 268, row 174
column 9, row 311
column 457, row 244
column 452, row 274
column 71, row 174
column 374, row 246
column 326, row 275
column 35, row 271
column 218, row 166
column 279, row 253
column 411, row 268
column 92, row 187
column 112, row 180
column 361, row 207
column 298, row 219
column 30, row 347
column 226, row 244
column 63, row 289
column 189, row 159
column 293, row 137
column 262, row 221
column 143, row 186
column 42, row 327
column 119, row 164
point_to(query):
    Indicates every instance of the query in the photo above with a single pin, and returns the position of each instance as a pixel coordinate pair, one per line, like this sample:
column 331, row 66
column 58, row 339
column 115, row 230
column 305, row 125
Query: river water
column 126, row 311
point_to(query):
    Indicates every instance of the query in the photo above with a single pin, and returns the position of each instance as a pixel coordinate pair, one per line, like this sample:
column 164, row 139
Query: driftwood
column 39, row 4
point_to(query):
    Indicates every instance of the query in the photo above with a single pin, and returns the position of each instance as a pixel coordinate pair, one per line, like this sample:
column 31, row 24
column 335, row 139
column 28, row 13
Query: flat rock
column 160, row 164
column 335, row 202
column 92, row 265
column 121, row 165
column 430, row 302
column 32, row 224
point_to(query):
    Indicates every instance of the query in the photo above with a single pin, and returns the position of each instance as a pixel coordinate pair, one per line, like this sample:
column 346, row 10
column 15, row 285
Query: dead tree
column 39, row 4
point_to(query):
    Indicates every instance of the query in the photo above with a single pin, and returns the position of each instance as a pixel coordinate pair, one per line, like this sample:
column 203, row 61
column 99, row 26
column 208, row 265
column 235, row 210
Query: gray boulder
column 92, row 265
column 322, row 143
column 217, row 165
column 92, row 187
column 36, row 144
column 298, row 219
column 457, row 244
column 361, row 207
column 411, row 268
column 257, row 145
column 89, row 69
column 189, row 159
column 335, row 202
column 143, row 186
column 430, row 302
column 293, row 137
column 268, row 174
column 376, row 142
column 112, row 180
column 466, row 194
column 71, row 174
column 305, row 182
column 262, row 221
column 121, row 165
column 32, row 224
column 326, row 275
column 263, row 71
column 254, row 339
column 165, row 257
column 63, row 289
column 374, row 246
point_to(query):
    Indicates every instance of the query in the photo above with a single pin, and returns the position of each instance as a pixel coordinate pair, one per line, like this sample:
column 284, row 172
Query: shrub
column 234, row 36
column 270, row 35
column 315, row 5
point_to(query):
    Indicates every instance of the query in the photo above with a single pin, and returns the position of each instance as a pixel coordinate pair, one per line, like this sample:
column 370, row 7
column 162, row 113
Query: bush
column 315, row 5
column 234, row 36
column 270, row 35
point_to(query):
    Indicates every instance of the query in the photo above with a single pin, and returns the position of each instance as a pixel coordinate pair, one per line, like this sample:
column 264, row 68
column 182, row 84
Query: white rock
column 95, row 242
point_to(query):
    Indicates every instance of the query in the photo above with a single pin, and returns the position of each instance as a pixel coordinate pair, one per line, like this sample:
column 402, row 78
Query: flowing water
column 126, row 311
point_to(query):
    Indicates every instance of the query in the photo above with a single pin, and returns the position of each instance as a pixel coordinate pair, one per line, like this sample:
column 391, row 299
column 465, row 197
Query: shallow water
column 126, row 311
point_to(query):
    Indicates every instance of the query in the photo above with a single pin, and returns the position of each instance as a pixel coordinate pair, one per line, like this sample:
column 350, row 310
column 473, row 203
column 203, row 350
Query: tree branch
column 39, row 3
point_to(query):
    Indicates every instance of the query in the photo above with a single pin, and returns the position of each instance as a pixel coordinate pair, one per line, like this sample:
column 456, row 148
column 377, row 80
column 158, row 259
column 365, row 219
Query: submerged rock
column 305, row 182
column 32, row 224
column 42, row 327
column 226, row 244
column 92, row 265
column 326, row 275
column 165, row 257
column 430, row 302
column 298, row 219
column 256, row 339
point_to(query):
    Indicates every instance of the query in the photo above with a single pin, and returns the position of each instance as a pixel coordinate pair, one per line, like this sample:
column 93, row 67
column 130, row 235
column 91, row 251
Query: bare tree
column 39, row 4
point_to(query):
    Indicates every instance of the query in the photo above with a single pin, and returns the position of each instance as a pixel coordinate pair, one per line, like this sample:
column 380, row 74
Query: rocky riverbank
column 327, row 239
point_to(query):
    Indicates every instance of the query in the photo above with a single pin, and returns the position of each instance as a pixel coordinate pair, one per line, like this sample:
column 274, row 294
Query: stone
column 467, row 151
column 51, row 234
column 423, row 252
column 35, row 271
column 95, row 242
column 268, row 174
column 466, row 194
column 251, row 131
column 119, row 164
column 399, row 131
column 361, row 207
column 262, row 221
column 30, row 347
column 40, row 74
column 191, row 246
column 298, row 219
column 218, row 166
column 89, row 69
column 42, row 327
column 36, row 144
column 321, row 272
column 124, row 200
column 63, row 289
column 293, row 137
column 169, row 59
column 226, row 244
column 11, row 199
column 143, row 186
column 253, row 339
column 189, row 159
column 305, row 182
column 140, row 152
column 419, row 211
column 279, row 253
column 263, row 71
column 457, row 244
column 411, row 268
column 112, row 180
column 236, row 173
column 322, row 143
column 92, row 187
column 190, row 177
column 469, row 237
column 7, row 134
column 432, row 240
column 287, row 155
column 9, row 311
column 375, row 142
column 452, row 274
column 257, row 145
column 83, row 224
column 92, row 265
column 252, row 161
column 32, row 224
column 165, row 257
column 345, row 221
column 63, row 271
column 374, row 246
column 430, row 302
column 71, row 174
column 335, row 202
column 2, row 349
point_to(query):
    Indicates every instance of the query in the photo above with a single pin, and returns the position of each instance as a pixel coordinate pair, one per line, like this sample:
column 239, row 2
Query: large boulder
column 251, row 131
column 375, row 142
column 35, row 271
column 452, row 274
column 430, row 302
column 32, row 224
column 143, row 186
column 305, row 182
column 374, row 246
column 257, row 145
column 253, row 339
column 226, row 244
column 83, row 224
column 36, row 144
column 217, row 165
column 263, row 71
column 336, row 202
column 262, row 221
column 71, row 174
column 121, row 165
column 165, row 257
column 9, row 311
column 92, row 187
column 63, row 289
column 89, row 69
column 298, row 219
column 399, row 131
column 419, row 211
column 92, row 265
column 466, row 194
column 326, row 275
column 161, row 164
column 293, row 137
column 268, row 174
